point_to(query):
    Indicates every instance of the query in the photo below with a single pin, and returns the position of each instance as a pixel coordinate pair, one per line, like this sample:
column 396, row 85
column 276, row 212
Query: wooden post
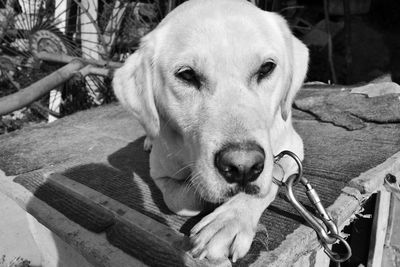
column 347, row 30
column 29, row 10
column 330, row 44
column 113, row 25
column 55, row 97
column 89, row 34
column 379, row 227
column 90, row 42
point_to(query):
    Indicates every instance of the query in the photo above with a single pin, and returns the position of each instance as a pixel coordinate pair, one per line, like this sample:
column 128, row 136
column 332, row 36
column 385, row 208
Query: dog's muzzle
column 240, row 163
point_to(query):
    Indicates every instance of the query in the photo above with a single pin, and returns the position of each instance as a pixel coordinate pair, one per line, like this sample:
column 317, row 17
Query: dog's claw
column 203, row 255
column 192, row 232
column 197, row 228
column 234, row 257
column 195, row 251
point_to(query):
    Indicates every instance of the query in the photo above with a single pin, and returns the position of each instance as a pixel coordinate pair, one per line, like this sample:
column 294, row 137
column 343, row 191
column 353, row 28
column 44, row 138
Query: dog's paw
column 226, row 232
column 147, row 145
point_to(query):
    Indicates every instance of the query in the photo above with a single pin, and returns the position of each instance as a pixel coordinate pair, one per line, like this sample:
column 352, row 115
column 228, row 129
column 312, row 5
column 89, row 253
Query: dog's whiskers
column 169, row 155
column 189, row 165
column 218, row 197
column 166, row 124
column 188, row 184
column 195, row 183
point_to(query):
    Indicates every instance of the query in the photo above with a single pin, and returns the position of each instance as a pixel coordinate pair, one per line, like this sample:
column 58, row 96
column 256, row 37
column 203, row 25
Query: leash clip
column 327, row 231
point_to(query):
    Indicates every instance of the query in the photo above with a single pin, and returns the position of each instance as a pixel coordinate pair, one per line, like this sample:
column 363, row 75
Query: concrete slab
column 15, row 235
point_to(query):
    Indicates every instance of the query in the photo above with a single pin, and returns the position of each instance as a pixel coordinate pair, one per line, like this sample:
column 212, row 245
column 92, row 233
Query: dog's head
column 216, row 79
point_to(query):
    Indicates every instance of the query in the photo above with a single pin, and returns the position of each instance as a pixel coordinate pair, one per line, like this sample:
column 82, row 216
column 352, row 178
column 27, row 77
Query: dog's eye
column 265, row 70
column 188, row 75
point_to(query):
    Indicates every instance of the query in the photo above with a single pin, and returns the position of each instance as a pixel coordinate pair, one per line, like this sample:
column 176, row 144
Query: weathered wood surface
column 111, row 224
column 94, row 247
column 392, row 243
column 103, row 150
column 379, row 229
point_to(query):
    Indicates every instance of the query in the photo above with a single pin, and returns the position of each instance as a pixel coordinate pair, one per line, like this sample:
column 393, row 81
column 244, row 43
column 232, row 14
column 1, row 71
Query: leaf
column 377, row 89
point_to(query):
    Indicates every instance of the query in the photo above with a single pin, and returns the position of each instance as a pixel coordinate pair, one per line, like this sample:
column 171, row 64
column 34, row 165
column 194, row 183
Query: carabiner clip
column 311, row 219
column 327, row 231
column 296, row 159
column 337, row 257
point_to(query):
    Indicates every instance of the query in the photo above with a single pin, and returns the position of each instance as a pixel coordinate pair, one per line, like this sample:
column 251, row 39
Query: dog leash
column 326, row 230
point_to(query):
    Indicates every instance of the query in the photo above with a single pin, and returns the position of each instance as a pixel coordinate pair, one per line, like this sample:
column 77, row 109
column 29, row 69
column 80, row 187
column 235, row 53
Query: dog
column 213, row 85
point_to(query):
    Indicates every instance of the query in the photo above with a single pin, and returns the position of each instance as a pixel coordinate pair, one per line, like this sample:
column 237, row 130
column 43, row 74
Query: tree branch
column 63, row 58
column 29, row 94
column 92, row 70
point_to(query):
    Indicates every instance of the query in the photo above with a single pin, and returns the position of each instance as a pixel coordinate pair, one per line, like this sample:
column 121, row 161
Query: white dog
column 213, row 86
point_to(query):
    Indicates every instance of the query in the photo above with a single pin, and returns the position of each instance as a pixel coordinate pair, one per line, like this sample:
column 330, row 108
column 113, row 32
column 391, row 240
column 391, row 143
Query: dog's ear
column 133, row 86
column 296, row 69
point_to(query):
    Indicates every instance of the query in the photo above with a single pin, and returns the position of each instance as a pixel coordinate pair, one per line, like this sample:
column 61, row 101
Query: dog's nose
column 240, row 163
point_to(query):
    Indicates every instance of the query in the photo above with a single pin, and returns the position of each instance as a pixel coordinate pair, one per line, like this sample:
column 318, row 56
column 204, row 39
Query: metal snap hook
column 337, row 257
column 327, row 231
column 318, row 227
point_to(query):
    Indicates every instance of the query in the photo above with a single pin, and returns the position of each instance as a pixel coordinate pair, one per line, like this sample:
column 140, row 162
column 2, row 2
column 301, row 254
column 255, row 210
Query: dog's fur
column 225, row 42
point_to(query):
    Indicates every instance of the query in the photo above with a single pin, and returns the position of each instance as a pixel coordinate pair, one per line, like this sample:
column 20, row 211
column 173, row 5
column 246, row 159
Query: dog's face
column 214, row 80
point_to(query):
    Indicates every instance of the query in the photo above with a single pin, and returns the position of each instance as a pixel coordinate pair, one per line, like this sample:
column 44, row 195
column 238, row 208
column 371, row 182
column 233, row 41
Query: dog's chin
column 230, row 191
column 250, row 189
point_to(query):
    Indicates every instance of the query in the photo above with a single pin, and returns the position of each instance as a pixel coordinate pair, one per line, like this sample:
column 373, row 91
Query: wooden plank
column 370, row 180
column 345, row 207
column 94, row 247
column 169, row 241
column 321, row 259
column 333, row 157
column 379, row 228
column 317, row 258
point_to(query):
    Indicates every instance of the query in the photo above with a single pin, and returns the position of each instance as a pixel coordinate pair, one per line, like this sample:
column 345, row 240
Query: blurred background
column 351, row 42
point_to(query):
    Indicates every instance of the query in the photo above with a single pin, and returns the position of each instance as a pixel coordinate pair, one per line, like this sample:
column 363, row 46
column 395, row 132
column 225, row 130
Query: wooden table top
column 90, row 167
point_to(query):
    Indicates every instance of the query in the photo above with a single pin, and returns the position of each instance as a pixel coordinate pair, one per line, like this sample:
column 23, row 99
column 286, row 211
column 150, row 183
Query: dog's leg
column 230, row 229
column 179, row 197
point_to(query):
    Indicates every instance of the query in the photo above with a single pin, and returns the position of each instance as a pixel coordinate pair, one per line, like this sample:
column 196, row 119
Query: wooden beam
column 94, row 247
column 379, row 227
column 154, row 235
